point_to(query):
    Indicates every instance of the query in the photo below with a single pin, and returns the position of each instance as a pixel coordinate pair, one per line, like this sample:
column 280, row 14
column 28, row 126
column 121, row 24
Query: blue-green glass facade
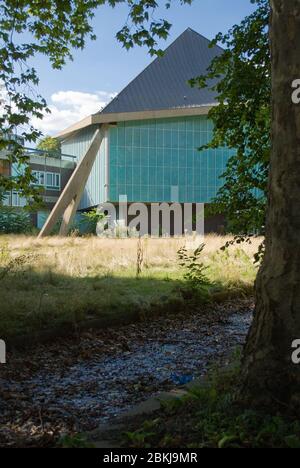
column 152, row 159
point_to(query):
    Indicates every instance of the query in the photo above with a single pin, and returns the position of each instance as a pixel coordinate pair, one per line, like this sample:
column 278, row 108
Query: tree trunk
column 268, row 373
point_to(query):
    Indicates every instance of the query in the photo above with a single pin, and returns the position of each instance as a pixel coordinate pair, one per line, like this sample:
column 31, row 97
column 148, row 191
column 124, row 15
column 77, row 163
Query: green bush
column 14, row 221
column 194, row 269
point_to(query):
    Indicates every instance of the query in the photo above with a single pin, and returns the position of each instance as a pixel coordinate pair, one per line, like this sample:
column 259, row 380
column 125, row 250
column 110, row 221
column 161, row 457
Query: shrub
column 14, row 221
column 196, row 282
column 194, row 269
column 90, row 220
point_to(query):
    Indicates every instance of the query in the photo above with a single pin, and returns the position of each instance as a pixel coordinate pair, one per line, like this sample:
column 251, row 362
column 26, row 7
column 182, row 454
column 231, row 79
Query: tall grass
column 60, row 281
column 88, row 256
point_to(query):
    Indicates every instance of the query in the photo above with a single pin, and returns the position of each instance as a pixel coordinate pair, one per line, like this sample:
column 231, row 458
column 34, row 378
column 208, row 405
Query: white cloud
column 68, row 107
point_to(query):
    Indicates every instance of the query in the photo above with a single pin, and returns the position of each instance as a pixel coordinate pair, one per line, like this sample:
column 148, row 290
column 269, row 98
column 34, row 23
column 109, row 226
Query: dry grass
column 81, row 256
column 55, row 281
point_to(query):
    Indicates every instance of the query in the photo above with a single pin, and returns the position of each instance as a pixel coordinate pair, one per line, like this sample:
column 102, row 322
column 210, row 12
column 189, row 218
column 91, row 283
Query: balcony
column 31, row 152
column 35, row 154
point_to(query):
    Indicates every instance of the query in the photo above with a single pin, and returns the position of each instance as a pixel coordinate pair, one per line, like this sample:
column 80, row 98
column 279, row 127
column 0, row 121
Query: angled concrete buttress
column 69, row 200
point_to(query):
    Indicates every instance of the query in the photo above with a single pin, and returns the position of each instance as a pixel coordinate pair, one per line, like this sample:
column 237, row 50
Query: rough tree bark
column 268, row 374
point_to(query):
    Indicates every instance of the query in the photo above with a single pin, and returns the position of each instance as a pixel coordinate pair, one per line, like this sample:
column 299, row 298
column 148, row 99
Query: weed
column 139, row 258
column 193, row 267
column 197, row 283
column 74, row 441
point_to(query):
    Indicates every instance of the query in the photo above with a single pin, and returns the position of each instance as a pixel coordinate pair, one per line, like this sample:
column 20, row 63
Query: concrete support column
column 69, row 200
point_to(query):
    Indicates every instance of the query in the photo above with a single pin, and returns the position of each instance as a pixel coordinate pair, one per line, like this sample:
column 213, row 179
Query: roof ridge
column 144, row 74
column 205, row 38
column 142, row 71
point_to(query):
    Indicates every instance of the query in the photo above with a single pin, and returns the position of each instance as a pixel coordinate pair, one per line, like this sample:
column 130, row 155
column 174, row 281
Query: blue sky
column 103, row 68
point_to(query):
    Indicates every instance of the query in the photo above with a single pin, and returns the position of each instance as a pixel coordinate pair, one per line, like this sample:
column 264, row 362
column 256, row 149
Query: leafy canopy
column 49, row 144
column 242, row 120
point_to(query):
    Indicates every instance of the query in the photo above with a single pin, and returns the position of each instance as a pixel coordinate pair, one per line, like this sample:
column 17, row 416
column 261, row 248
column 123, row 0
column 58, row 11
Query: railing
column 49, row 154
column 44, row 154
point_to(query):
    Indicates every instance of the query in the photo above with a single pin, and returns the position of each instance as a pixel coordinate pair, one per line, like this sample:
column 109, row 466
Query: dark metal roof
column 164, row 83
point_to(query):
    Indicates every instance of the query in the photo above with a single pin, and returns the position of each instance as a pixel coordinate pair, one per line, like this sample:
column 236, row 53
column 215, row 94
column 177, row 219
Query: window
column 53, row 180
column 49, row 180
column 17, row 200
column 14, row 199
column 39, row 177
column 6, row 199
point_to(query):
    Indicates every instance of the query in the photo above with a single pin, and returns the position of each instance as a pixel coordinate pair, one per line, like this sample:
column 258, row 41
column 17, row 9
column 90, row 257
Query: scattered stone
column 74, row 386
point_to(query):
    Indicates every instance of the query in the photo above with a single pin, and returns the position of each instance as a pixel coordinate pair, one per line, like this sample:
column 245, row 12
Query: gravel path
column 75, row 386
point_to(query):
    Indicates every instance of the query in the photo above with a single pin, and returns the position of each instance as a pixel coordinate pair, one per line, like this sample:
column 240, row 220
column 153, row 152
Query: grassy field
column 59, row 283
